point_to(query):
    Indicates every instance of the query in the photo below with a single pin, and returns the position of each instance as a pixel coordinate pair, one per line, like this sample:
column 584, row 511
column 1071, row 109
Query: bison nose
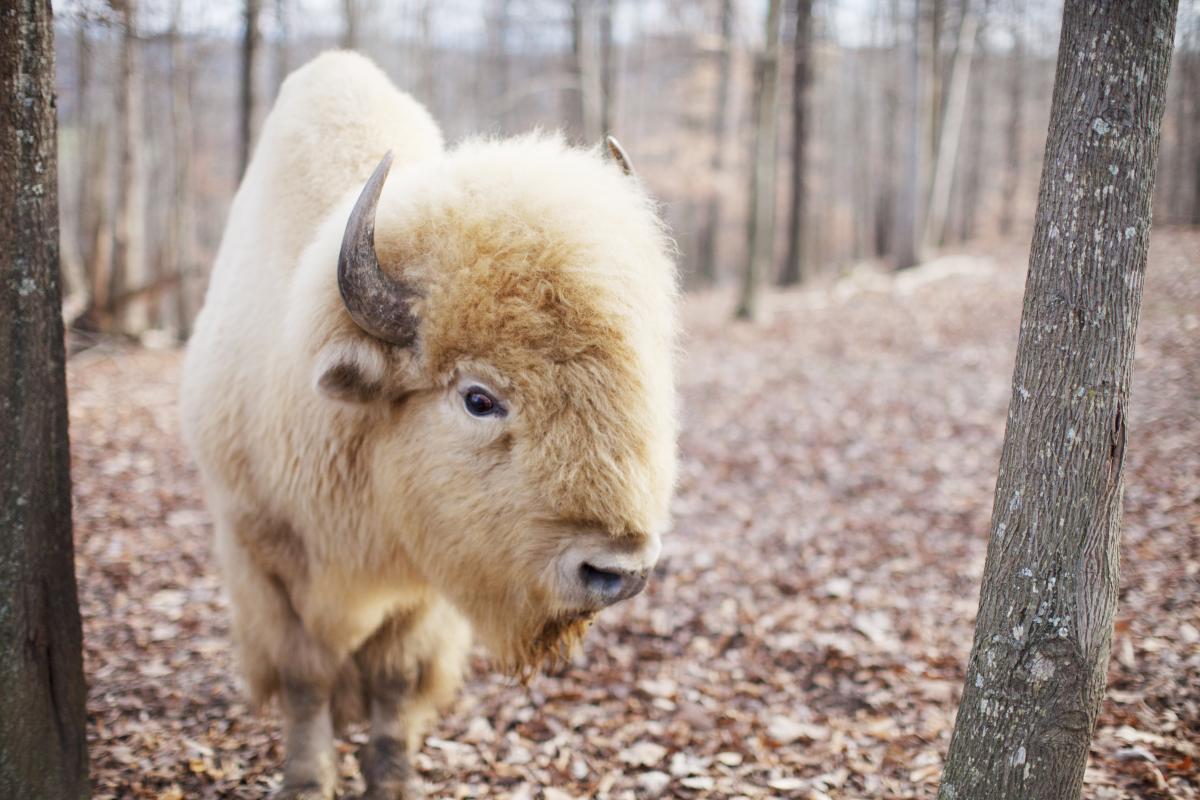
column 610, row 585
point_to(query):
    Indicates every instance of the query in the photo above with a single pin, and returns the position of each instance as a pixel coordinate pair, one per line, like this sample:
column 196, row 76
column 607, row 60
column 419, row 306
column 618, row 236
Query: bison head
column 505, row 320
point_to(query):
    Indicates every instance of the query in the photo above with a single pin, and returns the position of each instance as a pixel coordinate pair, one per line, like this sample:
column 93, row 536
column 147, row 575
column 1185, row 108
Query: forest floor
column 806, row 630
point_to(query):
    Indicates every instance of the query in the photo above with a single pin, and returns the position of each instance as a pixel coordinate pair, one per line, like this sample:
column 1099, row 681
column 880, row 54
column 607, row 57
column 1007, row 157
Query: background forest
column 898, row 128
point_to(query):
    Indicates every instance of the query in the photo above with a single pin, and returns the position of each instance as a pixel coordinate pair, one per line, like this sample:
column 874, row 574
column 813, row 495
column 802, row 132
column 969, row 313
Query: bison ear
column 351, row 371
column 617, row 153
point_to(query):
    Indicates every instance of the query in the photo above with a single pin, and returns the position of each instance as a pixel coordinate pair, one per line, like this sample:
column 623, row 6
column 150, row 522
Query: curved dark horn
column 378, row 303
column 618, row 154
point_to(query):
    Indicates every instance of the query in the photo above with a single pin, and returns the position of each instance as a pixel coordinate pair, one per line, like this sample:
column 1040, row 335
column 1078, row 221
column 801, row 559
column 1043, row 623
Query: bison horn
column 378, row 303
column 618, row 154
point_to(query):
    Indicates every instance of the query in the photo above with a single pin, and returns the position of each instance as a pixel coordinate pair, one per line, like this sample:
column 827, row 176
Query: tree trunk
column 179, row 228
column 246, row 84
column 586, row 68
column 608, row 67
column 761, row 224
column 911, row 195
column 282, row 53
column 793, row 266
column 720, row 139
column 43, row 752
column 128, row 312
column 350, row 29
column 951, row 128
column 972, row 186
column 1016, row 120
column 1036, row 674
column 888, row 187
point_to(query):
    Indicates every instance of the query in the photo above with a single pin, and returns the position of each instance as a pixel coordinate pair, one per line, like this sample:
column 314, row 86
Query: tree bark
column 911, row 196
column 793, row 266
column 1035, row 679
column 586, row 68
column 973, row 179
column 282, row 52
column 720, row 139
column 246, row 84
column 1016, row 120
column 949, row 135
column 761, row 224
column 128, row 268
column 350, row 29
column 42, row 721
column 179, row 226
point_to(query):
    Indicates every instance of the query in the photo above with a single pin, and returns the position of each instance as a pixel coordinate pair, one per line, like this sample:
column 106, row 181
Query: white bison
column 438, row 404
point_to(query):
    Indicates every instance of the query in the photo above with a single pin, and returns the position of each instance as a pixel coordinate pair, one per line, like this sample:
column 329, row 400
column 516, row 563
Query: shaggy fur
column 352, row 494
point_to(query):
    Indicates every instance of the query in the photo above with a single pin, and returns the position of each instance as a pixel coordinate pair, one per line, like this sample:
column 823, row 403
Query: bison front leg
column 411, row 666
column 309, row 770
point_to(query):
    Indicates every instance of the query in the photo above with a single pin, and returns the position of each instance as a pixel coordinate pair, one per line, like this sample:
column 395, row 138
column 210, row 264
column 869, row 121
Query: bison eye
column 481, row 404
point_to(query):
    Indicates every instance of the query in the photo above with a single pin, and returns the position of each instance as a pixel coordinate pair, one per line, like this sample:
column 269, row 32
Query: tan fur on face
column 544, row 274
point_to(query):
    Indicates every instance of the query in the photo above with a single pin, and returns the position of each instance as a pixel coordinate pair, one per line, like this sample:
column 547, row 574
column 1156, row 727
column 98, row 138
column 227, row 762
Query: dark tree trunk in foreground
column 42, row 748
column 793, row 267
column 761, row 248
column 246, row 84
column 1036, row 674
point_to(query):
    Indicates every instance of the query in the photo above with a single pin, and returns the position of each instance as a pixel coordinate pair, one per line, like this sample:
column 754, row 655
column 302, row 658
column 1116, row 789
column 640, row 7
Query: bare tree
column 43, row 749
column 720, row 143
column 352, row 24
column 179, row 226
column 1016, row 119
column 586, row 67
column 1036, row 675
column 250, row 37
column 950, row 129
column 282, row 50
column 127, row 308
column 905, row 242
column 761, row 224
column 972, row 183
column 608, row 66
column 793, row 266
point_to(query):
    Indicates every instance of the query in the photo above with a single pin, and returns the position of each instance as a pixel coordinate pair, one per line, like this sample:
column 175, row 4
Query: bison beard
column 551, row 647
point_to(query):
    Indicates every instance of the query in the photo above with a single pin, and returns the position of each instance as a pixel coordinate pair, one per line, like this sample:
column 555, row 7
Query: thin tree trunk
column 908, row 216
column 586, row 69
column 498, row 55
column 250, row 34
column 793, row 266
column 1192, row 72
column 886, row 202
column 179, row 229
column 720, row 139
column 128, row 241
column 350, row 21
column 1016, row 120
column 282, row 53
column 972, row 188
column 43, row 749
column 761, row 224
column 608, row 67
column 1035, row 679
column 951, row 129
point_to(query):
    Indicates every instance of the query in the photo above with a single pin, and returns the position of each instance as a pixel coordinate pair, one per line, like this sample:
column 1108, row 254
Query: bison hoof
column 310, row 790
column 387, row 770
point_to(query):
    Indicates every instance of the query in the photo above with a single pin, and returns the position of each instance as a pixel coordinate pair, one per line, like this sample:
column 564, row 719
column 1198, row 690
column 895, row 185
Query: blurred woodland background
column 890, row 128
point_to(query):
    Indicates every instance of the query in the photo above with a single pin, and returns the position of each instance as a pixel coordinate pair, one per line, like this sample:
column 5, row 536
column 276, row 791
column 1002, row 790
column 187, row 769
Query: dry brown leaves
column 807, row 628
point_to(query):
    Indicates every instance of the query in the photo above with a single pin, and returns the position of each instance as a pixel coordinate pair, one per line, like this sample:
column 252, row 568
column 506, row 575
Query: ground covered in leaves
column 807, row 628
